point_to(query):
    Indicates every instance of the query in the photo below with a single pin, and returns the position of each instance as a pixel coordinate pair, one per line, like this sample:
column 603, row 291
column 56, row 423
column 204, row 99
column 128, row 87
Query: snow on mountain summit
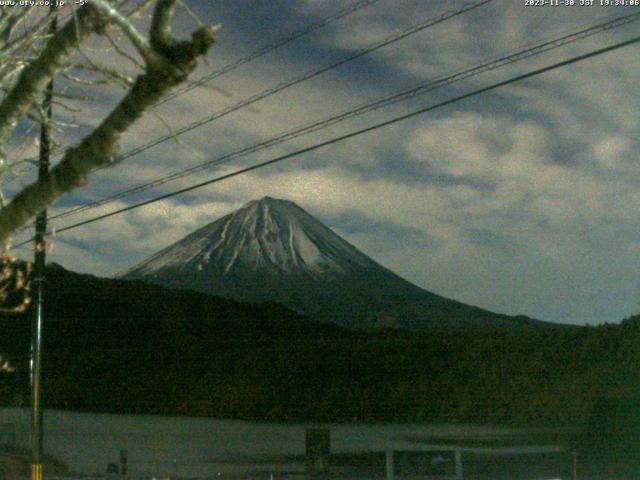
column 269, row 236
column 272, row 250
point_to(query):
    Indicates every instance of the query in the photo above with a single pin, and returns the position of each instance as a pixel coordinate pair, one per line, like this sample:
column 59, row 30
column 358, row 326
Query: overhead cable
column 362, row 109
column 353, row 134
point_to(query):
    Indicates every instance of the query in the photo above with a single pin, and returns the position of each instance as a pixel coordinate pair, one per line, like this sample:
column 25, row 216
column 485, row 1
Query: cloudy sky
column 524, row 200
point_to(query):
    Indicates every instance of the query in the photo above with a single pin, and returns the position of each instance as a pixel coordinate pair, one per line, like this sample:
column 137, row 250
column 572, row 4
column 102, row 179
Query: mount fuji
column 273, row 250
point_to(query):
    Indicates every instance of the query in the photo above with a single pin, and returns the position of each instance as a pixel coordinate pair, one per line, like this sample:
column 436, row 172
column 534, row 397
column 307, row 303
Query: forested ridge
column 129, row 347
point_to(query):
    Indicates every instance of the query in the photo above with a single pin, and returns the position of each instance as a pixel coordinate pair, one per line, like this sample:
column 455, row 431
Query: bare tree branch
column 139, row 8
column 138, row 40
column 121, row 52
column 108, row 72
column 83, row 81
column 35, row 77
column 161, row 25
column 171, row 63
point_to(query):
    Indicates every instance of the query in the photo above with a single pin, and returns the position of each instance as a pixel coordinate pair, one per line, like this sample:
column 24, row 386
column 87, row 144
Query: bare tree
column 165, row 62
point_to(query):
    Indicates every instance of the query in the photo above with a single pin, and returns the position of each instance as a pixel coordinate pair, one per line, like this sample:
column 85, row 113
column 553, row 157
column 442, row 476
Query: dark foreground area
column 128, row 347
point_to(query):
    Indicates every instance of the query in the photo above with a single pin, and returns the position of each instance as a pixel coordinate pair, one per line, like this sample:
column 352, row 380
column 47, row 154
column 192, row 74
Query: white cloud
column 541, row 220
column 612, row 151
column 481, row 146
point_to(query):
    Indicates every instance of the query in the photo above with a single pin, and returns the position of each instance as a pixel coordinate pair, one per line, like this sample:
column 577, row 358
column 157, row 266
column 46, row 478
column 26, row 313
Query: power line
column 269, row 48
column 304, row 77
column 261, row 52
column 362, row 131
column 308, row 75
column 504, row 60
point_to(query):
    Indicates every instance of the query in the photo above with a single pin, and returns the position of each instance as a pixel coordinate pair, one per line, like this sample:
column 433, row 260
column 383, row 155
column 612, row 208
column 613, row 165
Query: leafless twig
column 168, row 63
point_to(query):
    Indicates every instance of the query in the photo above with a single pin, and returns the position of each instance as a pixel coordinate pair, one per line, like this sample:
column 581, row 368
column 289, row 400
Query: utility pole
column 39, row 280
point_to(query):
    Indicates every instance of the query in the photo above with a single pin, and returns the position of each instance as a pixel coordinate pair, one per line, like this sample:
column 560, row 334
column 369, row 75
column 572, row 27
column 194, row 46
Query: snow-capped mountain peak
column 269, row 236
column 272, row 250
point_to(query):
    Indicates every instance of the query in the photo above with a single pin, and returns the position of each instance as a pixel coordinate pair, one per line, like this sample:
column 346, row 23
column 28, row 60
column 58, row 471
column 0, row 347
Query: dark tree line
column 123, row 347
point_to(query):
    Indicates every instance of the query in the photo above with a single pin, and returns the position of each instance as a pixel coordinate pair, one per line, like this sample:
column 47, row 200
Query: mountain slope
column 273, row 237
column 132, row 347
column 272, row 250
